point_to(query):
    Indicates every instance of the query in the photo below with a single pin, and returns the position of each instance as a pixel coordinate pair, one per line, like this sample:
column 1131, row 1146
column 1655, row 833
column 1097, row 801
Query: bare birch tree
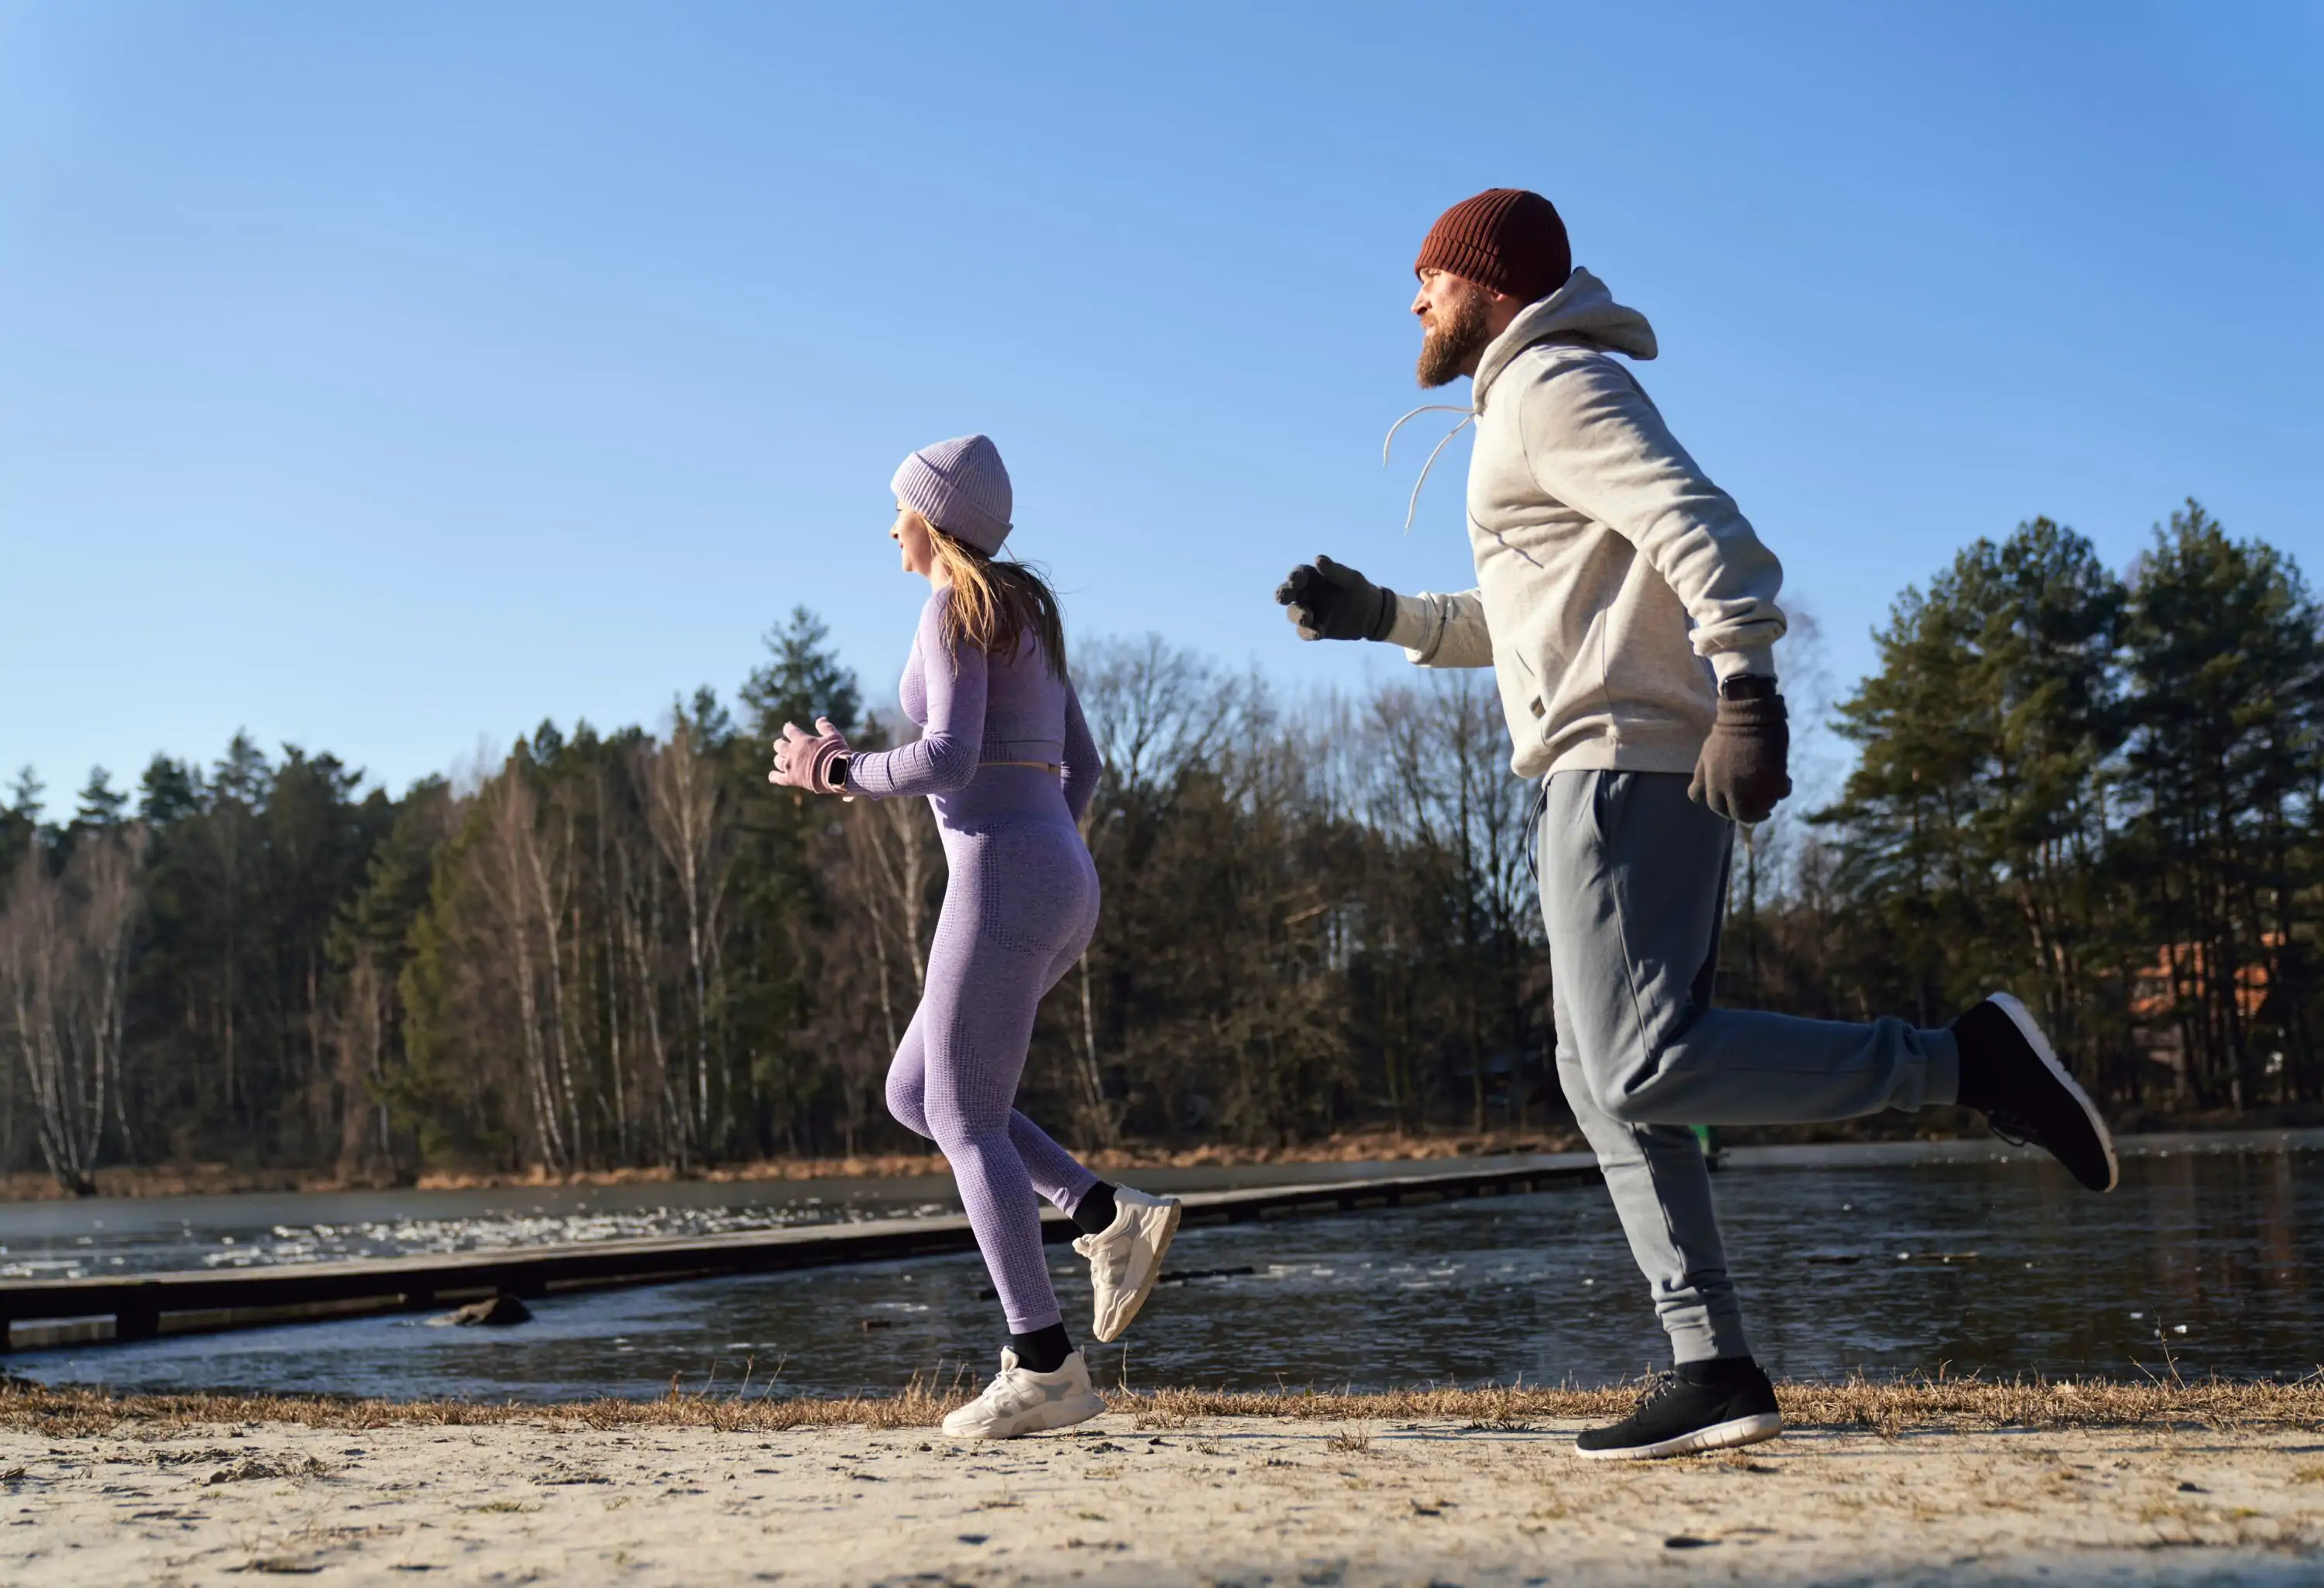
column 679, row 783
column 505, row 864
column 64, row 986
column 358, row 1029
column 1151, row 707
column 638, row 912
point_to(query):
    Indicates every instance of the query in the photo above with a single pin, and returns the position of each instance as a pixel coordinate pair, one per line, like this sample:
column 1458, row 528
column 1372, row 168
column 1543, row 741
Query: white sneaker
column 1023, row 1401
column 1125, row 1260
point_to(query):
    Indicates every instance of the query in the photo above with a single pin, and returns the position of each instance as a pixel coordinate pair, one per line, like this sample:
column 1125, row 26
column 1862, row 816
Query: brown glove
column 1740, row 774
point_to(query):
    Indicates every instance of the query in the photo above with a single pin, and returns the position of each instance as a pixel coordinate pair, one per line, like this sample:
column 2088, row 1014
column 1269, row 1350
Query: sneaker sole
column 1056, row 1414
column 2023, row 1020
column 1146, row 1285
column 1754, row 1429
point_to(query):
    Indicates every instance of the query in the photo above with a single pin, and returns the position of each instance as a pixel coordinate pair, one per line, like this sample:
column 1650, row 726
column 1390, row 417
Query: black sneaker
column 2008, row 1073
column 1677, row 1417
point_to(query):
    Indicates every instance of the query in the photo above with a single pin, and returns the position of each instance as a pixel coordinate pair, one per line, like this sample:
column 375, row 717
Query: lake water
column 101, row 1236
column 2210, row 1257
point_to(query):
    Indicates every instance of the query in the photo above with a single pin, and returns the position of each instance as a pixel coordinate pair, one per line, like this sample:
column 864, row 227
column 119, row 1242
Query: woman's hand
column 815, row 762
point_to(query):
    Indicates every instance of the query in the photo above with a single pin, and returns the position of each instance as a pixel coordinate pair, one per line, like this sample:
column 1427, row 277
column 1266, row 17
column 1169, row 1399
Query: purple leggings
column 1020, row 905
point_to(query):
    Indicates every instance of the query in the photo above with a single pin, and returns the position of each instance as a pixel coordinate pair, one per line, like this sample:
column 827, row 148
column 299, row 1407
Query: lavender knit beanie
column 961, row 487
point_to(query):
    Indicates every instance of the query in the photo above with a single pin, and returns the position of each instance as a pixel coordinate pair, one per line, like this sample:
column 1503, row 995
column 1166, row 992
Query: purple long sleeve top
column 975, row 709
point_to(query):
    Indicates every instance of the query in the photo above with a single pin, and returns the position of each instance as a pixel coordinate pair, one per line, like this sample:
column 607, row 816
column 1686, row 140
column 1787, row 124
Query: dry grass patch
column 70, row 1413
column 212, row 1179
column 1888, row 1408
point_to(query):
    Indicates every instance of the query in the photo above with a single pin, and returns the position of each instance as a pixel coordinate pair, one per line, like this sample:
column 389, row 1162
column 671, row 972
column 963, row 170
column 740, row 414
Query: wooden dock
column 41, row 1313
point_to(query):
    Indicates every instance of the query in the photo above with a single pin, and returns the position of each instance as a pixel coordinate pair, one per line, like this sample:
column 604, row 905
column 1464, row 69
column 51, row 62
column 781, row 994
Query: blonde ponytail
column 994, row 604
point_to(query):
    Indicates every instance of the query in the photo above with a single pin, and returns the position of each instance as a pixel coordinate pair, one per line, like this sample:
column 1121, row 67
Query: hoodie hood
column 1581, row 312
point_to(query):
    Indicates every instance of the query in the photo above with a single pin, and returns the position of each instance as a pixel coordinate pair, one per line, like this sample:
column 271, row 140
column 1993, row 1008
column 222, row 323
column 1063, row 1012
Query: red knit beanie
column 1504, row 238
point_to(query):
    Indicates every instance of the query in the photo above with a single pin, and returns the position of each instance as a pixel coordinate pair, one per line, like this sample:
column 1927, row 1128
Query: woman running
column 1008, row 762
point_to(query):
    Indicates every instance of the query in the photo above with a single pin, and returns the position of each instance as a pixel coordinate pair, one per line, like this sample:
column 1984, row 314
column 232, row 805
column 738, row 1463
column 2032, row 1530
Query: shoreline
column 212, row 1179
column 1889, row 1408
column 223, row 1180
column 1925, row 1482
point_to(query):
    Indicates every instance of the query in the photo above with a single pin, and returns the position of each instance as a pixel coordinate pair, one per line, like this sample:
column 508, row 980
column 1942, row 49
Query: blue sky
column 386, row 379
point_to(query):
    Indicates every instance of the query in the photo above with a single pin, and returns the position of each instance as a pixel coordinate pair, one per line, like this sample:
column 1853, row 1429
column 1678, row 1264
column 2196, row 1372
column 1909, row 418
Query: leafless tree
column 1446, row 796
column 886, row 876
column 897, row 863
column 638, row 911
column 680, row 786
column 64, row 972
column 1153, row 709
column 358, row 1029
column 504, row 866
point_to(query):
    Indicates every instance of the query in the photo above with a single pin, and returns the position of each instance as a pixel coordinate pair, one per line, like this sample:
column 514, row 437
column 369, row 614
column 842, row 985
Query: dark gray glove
column 1740, row 774
column 1329, row 601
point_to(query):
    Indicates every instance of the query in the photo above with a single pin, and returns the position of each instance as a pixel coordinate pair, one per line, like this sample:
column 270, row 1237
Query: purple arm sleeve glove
column 946, row 754
column 1084, row 765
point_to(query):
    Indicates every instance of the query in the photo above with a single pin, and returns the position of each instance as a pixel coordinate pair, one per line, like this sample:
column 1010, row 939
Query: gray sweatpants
column 1633, row 887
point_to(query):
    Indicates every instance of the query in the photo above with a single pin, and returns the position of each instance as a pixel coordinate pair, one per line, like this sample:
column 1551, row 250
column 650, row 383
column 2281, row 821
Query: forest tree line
column 2100, row 790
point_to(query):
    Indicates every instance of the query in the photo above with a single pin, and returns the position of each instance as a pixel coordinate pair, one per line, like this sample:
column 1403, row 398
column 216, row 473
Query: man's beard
column 1449, row 351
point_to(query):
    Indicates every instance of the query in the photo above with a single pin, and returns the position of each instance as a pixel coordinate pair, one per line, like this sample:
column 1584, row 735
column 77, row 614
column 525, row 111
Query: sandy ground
column 1213, row 1499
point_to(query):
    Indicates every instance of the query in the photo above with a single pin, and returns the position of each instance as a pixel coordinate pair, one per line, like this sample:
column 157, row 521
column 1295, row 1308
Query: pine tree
column 100, row 804
column 790, row 1041
column 20, row 821
column 2224, row 764
column 1970, row 831
column 801, row 680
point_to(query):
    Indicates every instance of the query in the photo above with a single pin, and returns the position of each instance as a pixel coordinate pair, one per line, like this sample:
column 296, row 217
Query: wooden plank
column 145, row 1305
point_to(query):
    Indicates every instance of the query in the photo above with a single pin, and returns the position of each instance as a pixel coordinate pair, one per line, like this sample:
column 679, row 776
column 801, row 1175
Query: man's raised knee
column 1626, row 1102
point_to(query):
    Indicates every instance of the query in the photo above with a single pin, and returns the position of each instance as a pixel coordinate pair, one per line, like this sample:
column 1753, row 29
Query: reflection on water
column 2211, row 1260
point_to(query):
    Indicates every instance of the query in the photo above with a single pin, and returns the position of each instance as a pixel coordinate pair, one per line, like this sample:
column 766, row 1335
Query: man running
column 1629, row 610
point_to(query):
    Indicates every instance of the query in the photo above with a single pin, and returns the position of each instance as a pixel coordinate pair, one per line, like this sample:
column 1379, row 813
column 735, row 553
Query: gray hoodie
column 1613, row 579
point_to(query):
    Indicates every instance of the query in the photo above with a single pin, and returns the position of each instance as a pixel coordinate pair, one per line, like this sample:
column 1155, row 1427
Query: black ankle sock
column 1717, row 1372
column 1044, row 1351
column 1975, row 1036
column 1094, row 1216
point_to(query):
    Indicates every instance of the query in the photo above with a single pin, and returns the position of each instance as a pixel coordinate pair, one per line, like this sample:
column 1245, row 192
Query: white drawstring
column 1413, row 505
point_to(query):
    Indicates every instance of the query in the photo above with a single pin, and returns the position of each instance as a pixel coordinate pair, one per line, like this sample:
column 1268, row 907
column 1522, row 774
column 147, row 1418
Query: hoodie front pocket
column 1536, row 707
